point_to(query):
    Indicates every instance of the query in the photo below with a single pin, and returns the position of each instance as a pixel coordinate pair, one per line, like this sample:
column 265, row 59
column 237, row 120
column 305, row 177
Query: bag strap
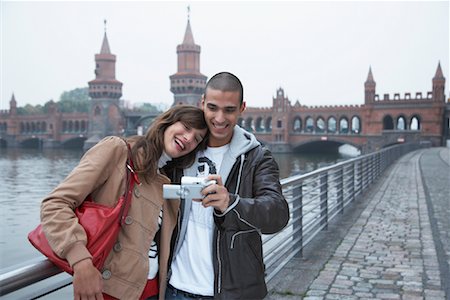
column 132, row 179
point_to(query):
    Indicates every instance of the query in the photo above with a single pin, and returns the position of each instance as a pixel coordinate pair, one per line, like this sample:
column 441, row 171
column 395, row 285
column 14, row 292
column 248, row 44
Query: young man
column 217, row 249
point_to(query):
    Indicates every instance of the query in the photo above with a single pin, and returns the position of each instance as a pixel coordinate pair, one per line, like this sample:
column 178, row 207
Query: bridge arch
column 259, row 125
column 401, row 123
column 309, row 124
column 388, row 122
column 356, row 125
column 343, row 125
column 331, row 145
column 320, row 125
column 268, row 124
column 74, row 143
column 331, row 124
column 249, row 125
column 297, row 124
column 32, row 142
column 415, row 123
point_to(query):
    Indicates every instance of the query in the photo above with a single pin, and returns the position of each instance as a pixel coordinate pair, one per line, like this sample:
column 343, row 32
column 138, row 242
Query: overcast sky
column 319, row 52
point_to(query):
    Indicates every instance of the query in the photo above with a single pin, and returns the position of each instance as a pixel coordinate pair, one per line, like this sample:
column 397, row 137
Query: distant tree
column 29, row 109
column 147, row 108
column 76, row 100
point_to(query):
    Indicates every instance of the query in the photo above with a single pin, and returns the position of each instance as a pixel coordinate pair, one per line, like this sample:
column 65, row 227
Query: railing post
column 324, row 199
column 352, row 179
column 340, row 190
column 297, row 208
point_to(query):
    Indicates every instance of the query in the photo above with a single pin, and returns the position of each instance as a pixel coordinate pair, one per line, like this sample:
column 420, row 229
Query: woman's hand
column 87, row 281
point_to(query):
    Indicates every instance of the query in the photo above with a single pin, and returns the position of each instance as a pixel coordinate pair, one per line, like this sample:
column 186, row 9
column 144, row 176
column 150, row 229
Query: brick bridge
column 378, row 123
column 56, row 129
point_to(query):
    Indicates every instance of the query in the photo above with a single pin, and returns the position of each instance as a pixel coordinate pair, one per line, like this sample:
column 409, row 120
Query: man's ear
column 203, row 102
column 243, row 106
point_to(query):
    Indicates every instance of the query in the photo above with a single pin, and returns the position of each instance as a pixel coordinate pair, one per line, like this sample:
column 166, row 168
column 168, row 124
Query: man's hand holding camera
column 216, row 195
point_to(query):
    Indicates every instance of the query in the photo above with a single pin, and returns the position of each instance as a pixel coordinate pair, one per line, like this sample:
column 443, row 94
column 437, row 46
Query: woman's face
column 180, row 139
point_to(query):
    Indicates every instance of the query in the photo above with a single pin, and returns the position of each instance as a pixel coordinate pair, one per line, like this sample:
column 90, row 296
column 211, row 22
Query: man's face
column 222, row 111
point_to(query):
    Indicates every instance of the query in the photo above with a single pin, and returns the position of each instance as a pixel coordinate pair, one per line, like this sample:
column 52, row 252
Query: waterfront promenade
column 392, row 243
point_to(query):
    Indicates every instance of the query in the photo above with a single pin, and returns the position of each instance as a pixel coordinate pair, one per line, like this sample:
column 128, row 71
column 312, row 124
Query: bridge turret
column 104, row 116
column 105, row 84
column 188, row 84
column 439, row 85
column 369, row 88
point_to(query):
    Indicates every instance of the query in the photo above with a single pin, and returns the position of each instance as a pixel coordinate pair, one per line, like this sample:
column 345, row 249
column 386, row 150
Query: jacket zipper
column 169, row 271
column 219, row 279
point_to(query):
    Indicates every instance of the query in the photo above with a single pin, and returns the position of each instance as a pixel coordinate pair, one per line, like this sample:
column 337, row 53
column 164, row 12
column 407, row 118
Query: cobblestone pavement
column 435, row 168
column 398, row 246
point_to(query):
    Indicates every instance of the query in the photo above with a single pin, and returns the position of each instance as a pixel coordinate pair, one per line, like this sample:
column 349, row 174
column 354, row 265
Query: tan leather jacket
column 101, row 172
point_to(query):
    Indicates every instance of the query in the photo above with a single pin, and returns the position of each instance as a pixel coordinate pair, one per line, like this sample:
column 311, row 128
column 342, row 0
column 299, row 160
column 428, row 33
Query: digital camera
column 191, row 187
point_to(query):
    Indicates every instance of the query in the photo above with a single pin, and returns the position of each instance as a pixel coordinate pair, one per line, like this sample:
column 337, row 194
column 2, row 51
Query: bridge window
column 332, row 124
column 356, row 125
column 320, row 125
column 309, row 124
column 97, row 111
column 297, row 124
column 249, row 125
column 415, row 123
column 279, row 124
column 343, row 126
column 44, row 127
column 388, row 123
column 83, row 126
column 33, row 127
column 401, row 123
column 70, row 129
column 77, row 126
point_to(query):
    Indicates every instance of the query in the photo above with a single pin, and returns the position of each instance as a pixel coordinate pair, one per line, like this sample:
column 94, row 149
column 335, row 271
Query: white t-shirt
column 192, row 268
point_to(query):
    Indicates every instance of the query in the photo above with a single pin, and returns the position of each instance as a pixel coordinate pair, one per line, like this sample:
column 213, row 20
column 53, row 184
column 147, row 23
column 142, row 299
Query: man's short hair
column 226, row 82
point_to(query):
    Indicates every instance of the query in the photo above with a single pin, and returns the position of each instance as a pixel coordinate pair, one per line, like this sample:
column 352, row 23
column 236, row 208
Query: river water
column 28, row 175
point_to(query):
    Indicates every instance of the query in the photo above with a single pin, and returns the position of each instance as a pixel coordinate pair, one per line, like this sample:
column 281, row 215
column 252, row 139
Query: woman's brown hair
column 148, row 149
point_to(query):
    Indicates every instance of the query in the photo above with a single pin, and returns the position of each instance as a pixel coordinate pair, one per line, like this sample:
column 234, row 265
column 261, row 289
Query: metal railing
column 317, row 197
column 314, row 199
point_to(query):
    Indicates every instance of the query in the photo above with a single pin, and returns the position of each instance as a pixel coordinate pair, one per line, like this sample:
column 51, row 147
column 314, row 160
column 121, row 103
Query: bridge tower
column 281, row 111
column 439, row 85
column 188, row 84
column 369, row 88
column 105, row 91
column 12, row 128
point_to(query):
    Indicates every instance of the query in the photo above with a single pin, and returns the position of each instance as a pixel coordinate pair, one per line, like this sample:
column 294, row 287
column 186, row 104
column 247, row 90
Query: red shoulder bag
column 101, row 223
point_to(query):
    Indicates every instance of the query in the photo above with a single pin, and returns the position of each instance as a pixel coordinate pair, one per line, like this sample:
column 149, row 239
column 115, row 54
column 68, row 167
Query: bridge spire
column 370, row 76
column 439, row 73
column 439, row 85
column 369, row 88
column 105, row 45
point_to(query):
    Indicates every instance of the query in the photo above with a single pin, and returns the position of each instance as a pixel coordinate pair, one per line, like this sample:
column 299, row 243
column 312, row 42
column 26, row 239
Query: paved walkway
column 392, row 244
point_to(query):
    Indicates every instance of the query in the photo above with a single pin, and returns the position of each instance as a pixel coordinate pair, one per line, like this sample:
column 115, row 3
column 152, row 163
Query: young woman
column 174, row 136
